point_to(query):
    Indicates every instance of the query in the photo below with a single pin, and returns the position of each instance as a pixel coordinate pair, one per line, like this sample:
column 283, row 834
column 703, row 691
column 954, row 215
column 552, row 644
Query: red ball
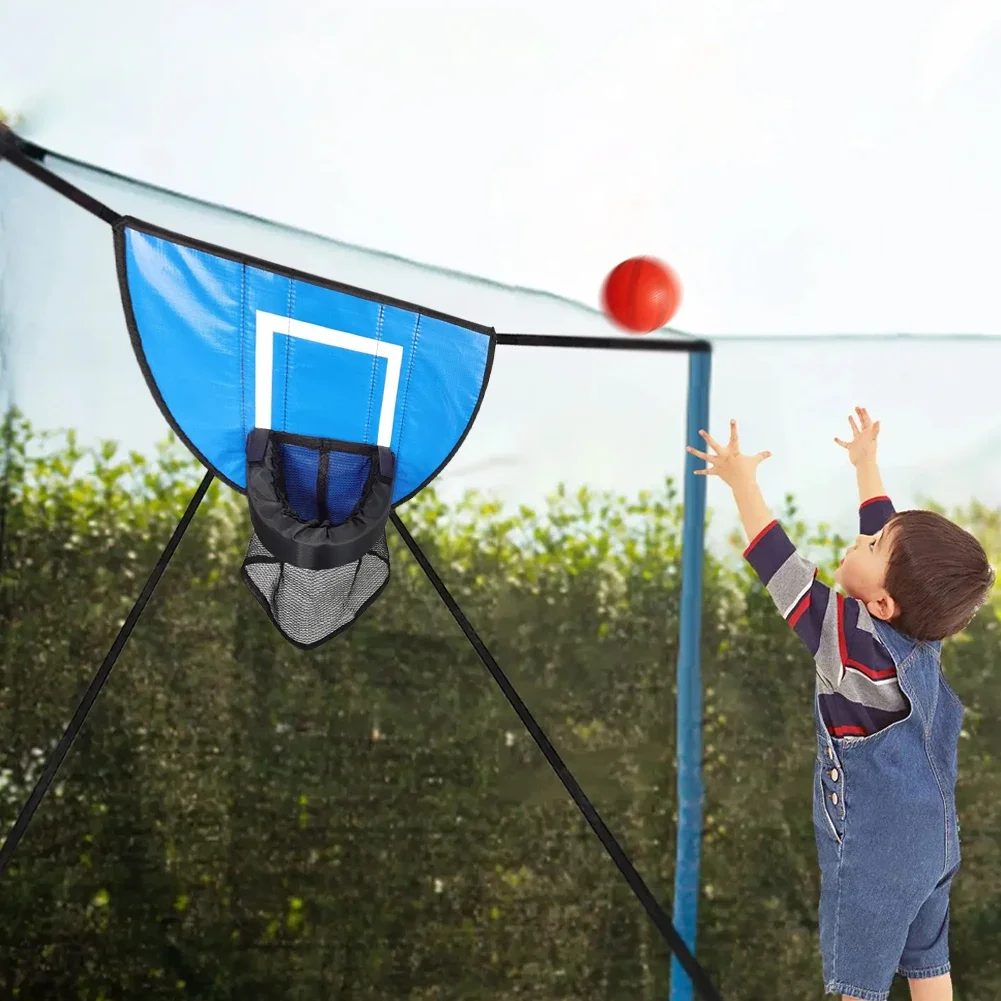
column 641, row 294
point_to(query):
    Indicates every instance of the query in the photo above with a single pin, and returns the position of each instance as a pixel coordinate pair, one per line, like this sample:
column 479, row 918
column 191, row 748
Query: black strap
column 657, row 914
column 680, row 342
column 90, row 696
column 19, row 153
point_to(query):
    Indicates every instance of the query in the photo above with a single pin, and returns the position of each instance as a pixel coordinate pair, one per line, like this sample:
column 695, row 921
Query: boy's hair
column 937, row 573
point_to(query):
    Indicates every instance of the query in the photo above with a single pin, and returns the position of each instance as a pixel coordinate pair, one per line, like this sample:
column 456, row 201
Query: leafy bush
column 369, row 821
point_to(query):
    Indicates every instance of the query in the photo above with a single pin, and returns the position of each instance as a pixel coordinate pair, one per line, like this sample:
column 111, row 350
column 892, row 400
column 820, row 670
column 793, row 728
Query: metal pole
column 689, row 728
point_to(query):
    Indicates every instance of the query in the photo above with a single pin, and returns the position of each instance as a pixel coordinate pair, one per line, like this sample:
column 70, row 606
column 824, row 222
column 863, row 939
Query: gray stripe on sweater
column 790, row 582
column 828, row 657
column 874, row 694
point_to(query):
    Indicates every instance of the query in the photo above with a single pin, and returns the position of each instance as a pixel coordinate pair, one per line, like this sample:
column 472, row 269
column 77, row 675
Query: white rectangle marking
column 270, row 324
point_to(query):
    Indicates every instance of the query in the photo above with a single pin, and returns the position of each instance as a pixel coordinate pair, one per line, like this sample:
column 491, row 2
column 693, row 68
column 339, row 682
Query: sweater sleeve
column 873, row 514
column 836, row 630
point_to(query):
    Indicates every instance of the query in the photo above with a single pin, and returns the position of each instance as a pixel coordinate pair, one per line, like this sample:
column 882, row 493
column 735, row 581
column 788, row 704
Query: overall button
column 830, row 753
column 834, row 775
column 834, row 798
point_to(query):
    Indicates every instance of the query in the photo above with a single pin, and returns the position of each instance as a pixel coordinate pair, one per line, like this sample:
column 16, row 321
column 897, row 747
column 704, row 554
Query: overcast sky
column 807, row 168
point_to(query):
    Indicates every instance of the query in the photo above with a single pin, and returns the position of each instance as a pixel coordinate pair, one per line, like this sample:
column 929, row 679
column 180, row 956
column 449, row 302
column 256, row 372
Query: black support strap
column 699, row 977
column 100, row 679
column 26, row 157
column 684, row 343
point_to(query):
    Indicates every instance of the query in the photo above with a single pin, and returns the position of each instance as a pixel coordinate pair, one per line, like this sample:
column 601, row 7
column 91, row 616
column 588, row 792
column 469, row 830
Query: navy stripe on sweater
column 844, row 718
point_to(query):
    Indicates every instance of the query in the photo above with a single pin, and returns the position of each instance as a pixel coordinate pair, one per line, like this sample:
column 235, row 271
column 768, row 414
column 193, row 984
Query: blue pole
column 689, row 730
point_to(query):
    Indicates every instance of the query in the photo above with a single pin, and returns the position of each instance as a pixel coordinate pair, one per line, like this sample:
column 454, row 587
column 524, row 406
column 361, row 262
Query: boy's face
column 862, row 574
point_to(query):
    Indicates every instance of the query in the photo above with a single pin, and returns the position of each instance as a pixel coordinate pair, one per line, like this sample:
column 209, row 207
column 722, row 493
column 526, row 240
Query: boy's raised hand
column 729, row 464
column 862, row 447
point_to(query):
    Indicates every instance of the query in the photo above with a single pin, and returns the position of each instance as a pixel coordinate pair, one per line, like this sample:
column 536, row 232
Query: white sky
column 807, row 168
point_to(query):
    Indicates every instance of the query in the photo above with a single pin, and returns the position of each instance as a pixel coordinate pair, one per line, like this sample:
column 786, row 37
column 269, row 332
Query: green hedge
column 369, row 821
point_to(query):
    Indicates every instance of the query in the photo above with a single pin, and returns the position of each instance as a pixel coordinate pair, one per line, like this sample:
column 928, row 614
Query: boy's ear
column 883, row 608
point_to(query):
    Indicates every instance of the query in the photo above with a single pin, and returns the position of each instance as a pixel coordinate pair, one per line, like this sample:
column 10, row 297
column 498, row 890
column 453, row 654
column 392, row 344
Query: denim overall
column 884, row 816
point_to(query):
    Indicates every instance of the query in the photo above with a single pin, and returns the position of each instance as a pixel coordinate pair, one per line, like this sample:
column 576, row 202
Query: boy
column 887, row 722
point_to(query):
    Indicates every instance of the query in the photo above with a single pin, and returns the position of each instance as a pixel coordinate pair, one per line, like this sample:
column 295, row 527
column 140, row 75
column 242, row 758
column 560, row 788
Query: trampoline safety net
column 368, row 818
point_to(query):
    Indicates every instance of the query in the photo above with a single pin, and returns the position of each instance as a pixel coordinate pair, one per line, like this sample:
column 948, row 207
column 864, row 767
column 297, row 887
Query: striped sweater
column 857, row 688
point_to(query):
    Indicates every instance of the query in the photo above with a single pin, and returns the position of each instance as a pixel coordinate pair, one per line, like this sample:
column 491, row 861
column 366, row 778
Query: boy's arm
column 870, row 483
column 831, row 627
column 803, row 601
column 754, row 513
column 833, row 637
column 875, row 508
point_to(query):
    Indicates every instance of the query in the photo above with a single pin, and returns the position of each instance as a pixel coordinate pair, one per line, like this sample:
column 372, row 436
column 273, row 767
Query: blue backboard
column 229, row 343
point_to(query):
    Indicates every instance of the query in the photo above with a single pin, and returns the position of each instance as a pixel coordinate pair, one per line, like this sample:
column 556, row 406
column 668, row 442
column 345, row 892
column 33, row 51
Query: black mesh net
column 320, row 484
column 312, row 606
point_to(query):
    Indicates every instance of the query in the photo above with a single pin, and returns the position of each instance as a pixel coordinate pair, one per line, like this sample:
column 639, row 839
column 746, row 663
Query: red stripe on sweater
column 849, row 731
column 800, row 609
column 846, row 661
